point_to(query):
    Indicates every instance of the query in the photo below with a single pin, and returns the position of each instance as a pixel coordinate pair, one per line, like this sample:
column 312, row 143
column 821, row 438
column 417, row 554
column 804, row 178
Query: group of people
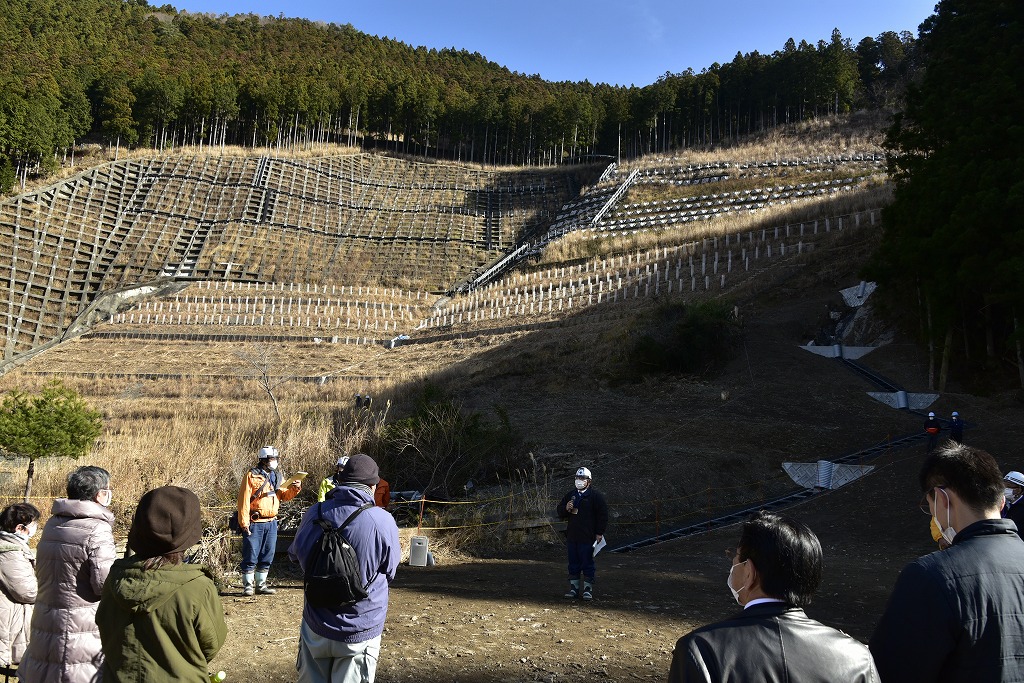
column 74, row 612
column 336, row 644
column 933, row 429
column 953, row 615
column 71, row 611
column 263, row 489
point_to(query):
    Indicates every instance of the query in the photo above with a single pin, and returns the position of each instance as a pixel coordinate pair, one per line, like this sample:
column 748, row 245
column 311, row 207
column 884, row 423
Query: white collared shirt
column 760, row 601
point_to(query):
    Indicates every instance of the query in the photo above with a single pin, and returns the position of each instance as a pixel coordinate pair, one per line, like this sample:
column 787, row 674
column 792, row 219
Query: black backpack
column 332, row 574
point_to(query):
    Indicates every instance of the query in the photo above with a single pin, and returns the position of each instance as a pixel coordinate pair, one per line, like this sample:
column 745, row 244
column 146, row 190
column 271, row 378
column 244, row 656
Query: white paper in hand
column 598, row 545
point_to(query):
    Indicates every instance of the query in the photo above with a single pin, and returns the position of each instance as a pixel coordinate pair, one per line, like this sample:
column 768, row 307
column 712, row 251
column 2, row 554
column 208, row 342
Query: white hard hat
column 956, row 414
column 268, row 452
column 931, row 414
column 1014, row 477
column 583, row 473
column 342, row 460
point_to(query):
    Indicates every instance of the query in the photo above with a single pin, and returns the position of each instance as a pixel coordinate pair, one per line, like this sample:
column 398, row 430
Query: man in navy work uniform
column 587, row 514
column 955, row 615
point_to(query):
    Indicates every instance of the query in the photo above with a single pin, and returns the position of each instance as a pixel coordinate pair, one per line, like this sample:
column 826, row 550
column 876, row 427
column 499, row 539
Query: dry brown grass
column 827, row 136
column 202, row 428
column 204, row 434
column 579, row 245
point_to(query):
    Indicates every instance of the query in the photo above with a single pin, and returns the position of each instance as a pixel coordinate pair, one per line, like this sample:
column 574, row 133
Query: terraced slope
column 71, row 253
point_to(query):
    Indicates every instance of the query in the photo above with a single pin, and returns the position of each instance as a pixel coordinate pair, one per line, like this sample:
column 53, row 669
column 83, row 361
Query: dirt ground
column 503, row 618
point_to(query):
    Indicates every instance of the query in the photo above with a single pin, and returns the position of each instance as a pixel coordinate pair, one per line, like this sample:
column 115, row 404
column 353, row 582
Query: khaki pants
column 322, row 660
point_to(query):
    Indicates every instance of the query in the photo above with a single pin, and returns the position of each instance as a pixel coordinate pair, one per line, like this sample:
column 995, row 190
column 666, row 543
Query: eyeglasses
column 924, row 504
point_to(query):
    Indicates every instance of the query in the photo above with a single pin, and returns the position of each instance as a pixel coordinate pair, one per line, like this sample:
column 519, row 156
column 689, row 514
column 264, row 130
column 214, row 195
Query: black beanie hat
column 360, row 469
column 167, row 520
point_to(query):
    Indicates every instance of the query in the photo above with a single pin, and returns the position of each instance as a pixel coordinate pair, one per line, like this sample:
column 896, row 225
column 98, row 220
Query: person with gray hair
column 73, row 558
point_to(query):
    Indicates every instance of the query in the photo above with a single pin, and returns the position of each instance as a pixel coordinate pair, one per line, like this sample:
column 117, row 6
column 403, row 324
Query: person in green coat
column 159, row 618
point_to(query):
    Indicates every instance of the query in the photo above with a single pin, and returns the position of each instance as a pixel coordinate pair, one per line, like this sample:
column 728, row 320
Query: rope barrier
column 656, row 505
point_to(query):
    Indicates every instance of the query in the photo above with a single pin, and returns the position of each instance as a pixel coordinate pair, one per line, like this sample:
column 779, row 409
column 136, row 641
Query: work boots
column 574, row 589
column 247, row 583
column 261, row 584
column 588, row 590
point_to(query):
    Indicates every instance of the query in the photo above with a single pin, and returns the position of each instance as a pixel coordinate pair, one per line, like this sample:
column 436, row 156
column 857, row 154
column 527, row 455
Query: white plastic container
column 418, row 551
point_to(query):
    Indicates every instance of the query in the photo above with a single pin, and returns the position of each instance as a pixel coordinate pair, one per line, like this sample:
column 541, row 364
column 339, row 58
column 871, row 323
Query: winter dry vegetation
column 212, row 400
column 464, row 285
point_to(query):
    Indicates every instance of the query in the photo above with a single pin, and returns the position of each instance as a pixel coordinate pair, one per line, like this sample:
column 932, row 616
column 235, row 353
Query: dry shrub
column 496, row 518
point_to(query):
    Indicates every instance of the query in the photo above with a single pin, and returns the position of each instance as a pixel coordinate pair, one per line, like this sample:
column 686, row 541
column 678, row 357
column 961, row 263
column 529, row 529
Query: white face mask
column 947, row 531
column 27, row 532
column 581, row 484
column 728, row 582
column 109, row 498
column 272, row 464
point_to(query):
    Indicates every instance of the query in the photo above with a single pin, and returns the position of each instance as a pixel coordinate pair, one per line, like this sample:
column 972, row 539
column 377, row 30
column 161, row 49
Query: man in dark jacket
column 775, row 570
column 955, row 615
column 343, row 643
column 587, row 514
column 956, row 428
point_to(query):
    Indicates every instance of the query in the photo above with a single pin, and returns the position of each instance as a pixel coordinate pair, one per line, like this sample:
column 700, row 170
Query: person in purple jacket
column 342, row 644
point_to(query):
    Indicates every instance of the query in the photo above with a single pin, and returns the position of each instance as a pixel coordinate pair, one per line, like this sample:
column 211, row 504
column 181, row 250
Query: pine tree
column 55, row 423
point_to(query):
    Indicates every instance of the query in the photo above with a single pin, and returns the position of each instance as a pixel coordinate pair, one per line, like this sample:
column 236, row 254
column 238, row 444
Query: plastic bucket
column 418, row 551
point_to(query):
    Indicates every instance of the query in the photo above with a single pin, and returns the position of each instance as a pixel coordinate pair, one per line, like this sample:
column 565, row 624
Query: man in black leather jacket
column 955, row 615
column 774, row 572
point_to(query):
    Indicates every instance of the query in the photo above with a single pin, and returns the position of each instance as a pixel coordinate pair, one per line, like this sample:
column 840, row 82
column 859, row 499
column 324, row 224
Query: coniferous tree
column 953, row 232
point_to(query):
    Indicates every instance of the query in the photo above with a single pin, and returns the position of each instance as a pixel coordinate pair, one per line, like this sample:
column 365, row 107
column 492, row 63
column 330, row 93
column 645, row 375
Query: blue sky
column 627, row 42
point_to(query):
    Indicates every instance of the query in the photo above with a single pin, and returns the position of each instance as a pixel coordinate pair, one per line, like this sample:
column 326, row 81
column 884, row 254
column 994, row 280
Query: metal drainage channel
column 718, row 522
column 792, row 498
column 870, row 375
column 774, row 504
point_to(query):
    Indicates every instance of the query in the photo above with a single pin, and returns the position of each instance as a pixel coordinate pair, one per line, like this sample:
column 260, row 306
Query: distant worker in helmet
column 263, row 490
column 334, row 480
column 586, row 512
column 381, row 495
column 956, row 428
column 932, row 427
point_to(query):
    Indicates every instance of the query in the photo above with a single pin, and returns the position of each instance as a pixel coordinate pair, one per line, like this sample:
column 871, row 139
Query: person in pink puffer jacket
column 73, row 558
